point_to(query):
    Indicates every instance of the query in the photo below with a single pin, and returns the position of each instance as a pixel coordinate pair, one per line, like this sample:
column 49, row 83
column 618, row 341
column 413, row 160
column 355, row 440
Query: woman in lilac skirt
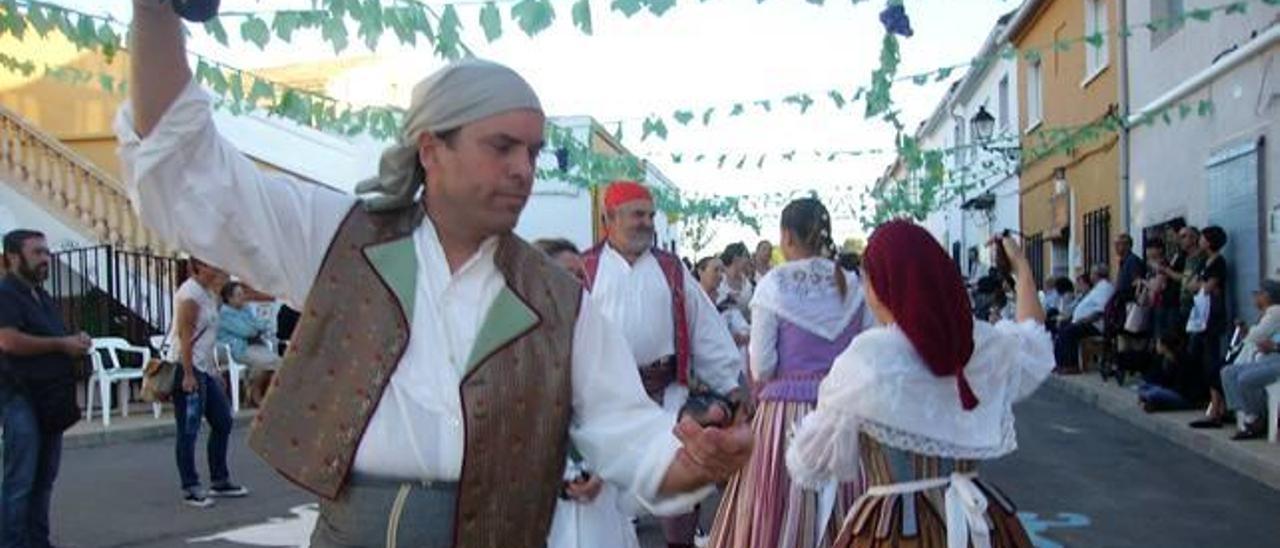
column 805, row 313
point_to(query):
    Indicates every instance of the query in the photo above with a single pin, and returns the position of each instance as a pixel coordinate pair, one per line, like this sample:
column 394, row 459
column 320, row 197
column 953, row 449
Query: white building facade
column 1214, row 162
column 985, row 166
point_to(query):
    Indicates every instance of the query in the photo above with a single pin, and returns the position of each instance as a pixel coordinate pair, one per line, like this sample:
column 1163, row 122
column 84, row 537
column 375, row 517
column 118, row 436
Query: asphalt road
column 1083, row 477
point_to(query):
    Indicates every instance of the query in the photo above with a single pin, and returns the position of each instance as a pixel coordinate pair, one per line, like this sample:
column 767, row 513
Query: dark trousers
column 1206, row 349
column 209, row 402
column 1066, row 348
column 31, row 460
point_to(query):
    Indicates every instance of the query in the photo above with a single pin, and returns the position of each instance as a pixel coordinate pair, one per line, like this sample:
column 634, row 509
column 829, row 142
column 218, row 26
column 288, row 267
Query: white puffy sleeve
column 1032, row 360
column 626, row 437
column 763, row 344
column 825, row 445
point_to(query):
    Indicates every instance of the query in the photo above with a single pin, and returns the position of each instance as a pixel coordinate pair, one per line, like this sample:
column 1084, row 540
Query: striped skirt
column 761, row 508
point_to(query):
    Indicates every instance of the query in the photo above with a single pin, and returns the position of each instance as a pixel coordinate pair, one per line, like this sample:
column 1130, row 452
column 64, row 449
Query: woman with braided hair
column 805, row 312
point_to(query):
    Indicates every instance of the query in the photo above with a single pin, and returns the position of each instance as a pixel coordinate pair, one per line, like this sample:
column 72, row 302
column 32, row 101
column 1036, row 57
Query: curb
column 1233, row 455
column 162, row 428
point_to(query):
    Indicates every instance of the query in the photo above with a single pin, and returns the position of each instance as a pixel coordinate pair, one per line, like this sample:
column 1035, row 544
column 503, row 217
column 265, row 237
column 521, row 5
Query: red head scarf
column 622, row 192
column 913, row 277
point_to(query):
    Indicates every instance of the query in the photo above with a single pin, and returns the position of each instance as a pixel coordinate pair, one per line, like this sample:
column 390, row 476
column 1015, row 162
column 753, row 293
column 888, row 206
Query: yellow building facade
column 1071, row 199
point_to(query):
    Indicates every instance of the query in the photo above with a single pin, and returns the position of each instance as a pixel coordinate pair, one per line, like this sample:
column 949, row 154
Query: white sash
column 966, row 507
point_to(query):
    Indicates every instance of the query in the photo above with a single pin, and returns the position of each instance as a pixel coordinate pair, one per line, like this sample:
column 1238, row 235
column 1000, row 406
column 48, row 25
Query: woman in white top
column 806, row 312
column 737, row 277
column 710, row 274
column 914, row 403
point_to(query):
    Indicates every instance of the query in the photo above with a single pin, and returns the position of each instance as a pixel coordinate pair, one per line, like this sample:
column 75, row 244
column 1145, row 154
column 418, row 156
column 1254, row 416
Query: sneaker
column 228, row 490
column 196, row 499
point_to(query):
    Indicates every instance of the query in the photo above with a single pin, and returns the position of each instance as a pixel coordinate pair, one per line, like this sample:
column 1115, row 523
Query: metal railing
column 111, row 292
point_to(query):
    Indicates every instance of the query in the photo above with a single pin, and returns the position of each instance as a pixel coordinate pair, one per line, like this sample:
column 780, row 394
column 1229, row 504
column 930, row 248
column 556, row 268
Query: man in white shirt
column 1244, row 382
column 670, row 324
column 441, row 364
column 1086, row 319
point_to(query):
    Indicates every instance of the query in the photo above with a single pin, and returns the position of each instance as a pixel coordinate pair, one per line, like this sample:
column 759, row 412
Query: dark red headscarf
column 915, row 279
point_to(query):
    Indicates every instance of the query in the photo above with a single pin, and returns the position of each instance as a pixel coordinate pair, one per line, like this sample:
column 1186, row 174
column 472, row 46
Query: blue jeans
column 1245, row 385
column 209, row 402
column 31, row 460
column 1161, row 398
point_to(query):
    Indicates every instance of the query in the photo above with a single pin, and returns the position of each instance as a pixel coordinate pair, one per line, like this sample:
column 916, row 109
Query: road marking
column 1035, row 525
column 290, row 532
column 1065, row 429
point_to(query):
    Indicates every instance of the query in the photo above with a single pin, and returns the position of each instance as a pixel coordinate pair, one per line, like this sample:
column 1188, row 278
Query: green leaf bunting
column 255, row 31
column 491, row 21
column 582, row 16
column 449, row 39
column 627, row 7
column 837, row 98
column 215, row 29
column 533, row 16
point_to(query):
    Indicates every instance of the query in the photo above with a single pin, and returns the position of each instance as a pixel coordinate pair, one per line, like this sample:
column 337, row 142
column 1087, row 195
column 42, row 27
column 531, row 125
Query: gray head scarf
column 456, row 95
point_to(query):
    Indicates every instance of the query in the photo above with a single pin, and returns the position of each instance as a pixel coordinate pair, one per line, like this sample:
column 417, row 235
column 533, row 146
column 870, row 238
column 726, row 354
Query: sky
column 700, row 55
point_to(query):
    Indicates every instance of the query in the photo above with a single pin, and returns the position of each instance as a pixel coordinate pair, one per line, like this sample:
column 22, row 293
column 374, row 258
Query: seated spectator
column 1067, row 299
column 1086, row 320
column 564, row 253
column 1083, row 285
column 1244, row 382
column 1177, row 383
column 1002, row 307
column 1050, row 298
column 246, row 335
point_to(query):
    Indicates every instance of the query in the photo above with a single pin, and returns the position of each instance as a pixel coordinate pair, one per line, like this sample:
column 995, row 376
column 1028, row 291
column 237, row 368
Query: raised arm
column 1028, row 303
column 159, row 58
column 200, row 194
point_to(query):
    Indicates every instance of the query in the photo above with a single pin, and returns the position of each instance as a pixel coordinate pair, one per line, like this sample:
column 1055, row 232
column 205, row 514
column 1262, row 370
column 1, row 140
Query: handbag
column 1137, row 318
column 157, row 380
column 158, row 375
column 1198, row 320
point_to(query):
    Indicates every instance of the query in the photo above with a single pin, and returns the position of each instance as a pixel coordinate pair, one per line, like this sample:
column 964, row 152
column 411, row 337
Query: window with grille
column 1035, row 255
column 1097, row 237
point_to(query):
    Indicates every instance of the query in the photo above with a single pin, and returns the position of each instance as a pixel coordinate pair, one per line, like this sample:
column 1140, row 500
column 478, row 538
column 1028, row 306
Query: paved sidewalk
column 141, row 424
column 1256, row 459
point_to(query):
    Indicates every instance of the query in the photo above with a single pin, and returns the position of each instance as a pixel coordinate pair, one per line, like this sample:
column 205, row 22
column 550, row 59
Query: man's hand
column 76, row 345
column 584, row 490
column 710, row 454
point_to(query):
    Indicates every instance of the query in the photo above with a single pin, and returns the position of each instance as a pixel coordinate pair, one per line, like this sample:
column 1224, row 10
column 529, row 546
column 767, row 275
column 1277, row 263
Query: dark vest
column 673, row 272
column 516, row 395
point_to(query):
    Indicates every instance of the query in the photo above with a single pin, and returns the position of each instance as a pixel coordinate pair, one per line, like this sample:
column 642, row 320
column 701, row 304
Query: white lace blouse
column 880, row 386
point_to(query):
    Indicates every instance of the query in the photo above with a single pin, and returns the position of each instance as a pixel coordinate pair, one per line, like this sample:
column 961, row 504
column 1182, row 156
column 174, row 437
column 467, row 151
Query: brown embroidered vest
column 516, row 395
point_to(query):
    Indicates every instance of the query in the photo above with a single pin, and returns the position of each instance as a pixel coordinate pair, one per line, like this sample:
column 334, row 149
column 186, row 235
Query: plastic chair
column 106, row 374
column 222, row 356
column 1273, row 410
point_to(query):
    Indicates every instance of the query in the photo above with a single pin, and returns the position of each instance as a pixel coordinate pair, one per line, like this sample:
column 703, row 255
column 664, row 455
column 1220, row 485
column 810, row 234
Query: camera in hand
column 196, row 11
column 699, row 405
column 1003, row 263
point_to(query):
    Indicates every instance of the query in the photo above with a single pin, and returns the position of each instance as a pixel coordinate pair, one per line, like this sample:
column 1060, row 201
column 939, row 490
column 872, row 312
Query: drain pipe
column 1126, row 195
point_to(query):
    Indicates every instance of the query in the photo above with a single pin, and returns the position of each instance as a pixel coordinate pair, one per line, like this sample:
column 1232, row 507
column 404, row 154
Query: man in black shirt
column 37, row 389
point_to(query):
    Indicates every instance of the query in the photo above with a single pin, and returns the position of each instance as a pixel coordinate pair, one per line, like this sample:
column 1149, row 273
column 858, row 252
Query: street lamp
column 983, row 124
